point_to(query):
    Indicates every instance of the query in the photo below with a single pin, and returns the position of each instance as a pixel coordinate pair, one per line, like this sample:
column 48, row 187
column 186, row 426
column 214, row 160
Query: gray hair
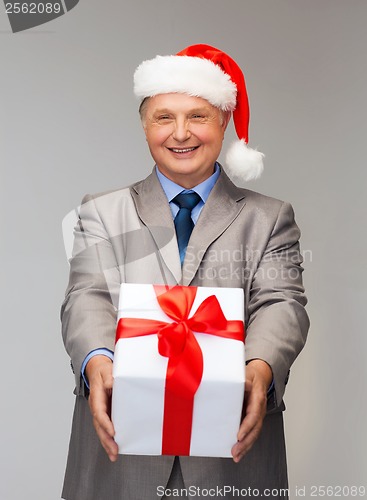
column 143, row 108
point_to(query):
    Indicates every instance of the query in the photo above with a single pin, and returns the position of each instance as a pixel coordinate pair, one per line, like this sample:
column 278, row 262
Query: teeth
column 182, row 150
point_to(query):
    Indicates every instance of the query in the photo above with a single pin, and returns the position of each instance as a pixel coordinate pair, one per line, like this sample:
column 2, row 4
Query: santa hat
column 207, row 72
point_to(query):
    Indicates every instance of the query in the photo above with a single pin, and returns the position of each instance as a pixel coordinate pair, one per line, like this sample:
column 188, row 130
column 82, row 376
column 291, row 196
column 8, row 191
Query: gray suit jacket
column 242, row 239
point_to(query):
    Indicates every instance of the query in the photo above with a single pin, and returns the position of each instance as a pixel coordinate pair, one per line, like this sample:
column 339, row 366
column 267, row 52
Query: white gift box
column 138, row 399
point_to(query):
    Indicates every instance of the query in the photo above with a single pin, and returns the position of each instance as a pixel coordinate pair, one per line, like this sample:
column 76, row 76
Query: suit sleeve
column 88, row 313
column 278, row 323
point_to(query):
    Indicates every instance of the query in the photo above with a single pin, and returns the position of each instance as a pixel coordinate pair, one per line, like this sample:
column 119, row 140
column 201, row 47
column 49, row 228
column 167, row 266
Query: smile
column 180, row 151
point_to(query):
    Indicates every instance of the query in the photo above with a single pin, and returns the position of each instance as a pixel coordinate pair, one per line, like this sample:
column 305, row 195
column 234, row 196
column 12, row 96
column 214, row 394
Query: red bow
column 177, row 342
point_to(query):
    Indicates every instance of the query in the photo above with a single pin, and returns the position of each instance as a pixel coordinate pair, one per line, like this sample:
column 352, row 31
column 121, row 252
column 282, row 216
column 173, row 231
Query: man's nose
column 181, row 131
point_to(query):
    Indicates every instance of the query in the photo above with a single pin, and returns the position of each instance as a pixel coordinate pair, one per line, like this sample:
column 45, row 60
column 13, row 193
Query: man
column 239, row 239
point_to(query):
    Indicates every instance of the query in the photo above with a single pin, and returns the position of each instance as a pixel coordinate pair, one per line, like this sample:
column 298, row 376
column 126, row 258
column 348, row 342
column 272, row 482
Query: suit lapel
column 153, row 209
column 224, row 204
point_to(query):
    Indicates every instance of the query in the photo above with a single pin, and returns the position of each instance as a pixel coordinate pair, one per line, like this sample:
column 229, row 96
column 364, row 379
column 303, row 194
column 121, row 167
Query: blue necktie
column 183, row 222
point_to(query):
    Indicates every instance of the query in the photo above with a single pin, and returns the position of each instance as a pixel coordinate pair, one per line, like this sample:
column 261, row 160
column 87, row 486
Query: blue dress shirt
column 203, row 189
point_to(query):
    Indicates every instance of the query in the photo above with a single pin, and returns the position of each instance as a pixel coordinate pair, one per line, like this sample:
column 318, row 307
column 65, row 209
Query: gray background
column 69, row 126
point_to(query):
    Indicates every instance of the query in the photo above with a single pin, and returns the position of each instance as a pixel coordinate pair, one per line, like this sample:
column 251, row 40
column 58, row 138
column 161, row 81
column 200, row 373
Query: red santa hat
column 207, row 72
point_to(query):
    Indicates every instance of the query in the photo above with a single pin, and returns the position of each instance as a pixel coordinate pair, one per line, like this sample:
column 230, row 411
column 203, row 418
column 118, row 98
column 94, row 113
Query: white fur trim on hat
column 244, row 163
column 194, row 76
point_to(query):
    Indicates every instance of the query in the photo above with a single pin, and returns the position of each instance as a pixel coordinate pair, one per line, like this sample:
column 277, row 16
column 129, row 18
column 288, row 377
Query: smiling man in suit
column 186, row 223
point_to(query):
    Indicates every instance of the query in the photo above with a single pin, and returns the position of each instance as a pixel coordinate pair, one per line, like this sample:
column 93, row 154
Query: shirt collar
column 203, row 189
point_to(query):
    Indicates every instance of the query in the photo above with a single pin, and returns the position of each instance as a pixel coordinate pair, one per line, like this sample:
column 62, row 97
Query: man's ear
column 226, row 117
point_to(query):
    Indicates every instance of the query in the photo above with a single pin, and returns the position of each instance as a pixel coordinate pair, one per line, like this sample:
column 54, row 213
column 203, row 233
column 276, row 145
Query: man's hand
column 99, row 373
column 258, row 379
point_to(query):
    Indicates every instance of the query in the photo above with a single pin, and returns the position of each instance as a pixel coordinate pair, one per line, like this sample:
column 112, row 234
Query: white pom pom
column 244, row 163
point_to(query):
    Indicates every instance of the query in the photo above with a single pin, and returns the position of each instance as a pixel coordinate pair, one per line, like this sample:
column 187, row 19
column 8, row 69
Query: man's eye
column 164, row 117
column 197, row 116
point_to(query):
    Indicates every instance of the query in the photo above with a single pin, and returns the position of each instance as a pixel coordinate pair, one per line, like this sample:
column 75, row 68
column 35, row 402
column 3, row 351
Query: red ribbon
column 177, row 342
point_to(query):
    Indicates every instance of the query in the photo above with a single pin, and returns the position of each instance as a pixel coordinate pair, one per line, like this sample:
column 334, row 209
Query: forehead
column 178, row 103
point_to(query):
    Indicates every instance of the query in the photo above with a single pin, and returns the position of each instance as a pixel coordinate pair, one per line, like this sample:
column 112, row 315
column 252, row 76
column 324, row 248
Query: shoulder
column 268, row 210
column 260, row 208
column 107, row 196
column 261, row 200
column 120, row 194
column 108, row 201
column 267, row 204
column 254, row 200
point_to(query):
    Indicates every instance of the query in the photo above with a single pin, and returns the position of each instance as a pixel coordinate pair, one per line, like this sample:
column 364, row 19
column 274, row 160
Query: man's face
column 184, row 135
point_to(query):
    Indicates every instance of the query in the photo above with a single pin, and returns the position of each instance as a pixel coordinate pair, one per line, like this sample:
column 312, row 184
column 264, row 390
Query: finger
column 103, row 425
column 249, row 422
column 250, row 428
column 240, row 449
column 100, row 394
column 107, row 378
column 103, row 421
column 107, row 442
column 99, row 403
column 248, row 433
